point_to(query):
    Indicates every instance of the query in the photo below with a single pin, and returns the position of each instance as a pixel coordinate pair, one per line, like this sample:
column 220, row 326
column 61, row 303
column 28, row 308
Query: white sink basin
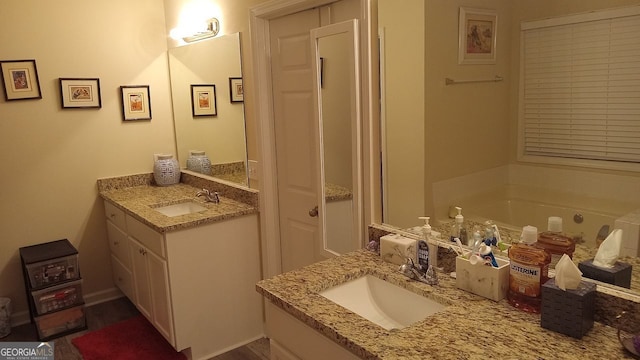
column 180, row 209
column 381, row 302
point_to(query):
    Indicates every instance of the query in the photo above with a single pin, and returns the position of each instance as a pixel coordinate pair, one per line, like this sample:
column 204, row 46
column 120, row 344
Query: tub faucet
column 410, row 270
column 209, row 196
column 602, row 234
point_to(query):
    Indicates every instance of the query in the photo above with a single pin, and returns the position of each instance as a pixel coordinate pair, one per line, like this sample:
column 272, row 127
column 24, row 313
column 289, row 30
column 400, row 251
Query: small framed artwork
column 477, row 35
column 136, row 102
column 236, row 90
column 203, row 100
column 80, row 93
column 20, row 79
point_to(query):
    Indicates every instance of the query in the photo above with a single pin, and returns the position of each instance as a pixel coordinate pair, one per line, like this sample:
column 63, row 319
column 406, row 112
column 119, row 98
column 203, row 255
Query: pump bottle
column 428, row 252
column 458, row 230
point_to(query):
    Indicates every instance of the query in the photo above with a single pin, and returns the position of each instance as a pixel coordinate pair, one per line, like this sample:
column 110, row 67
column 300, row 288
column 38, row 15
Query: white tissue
column 568, row 276
column 609, row 250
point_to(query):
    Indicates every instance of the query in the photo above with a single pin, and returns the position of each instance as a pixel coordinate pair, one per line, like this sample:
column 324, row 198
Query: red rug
column 133, row 339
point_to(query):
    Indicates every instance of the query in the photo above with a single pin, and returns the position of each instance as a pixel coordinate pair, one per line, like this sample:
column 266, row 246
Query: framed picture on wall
column 203, row 100
column 236, row 90
column 80, row 93
column 20, row 79
column 136, row 102
column 477, row 35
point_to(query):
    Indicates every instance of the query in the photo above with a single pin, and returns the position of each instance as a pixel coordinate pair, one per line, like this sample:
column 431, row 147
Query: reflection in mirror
column 339, row 123
column 221, row 136
column 427, row 174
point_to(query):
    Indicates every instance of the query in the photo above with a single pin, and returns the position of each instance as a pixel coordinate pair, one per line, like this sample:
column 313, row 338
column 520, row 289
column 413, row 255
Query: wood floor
column 111, row 312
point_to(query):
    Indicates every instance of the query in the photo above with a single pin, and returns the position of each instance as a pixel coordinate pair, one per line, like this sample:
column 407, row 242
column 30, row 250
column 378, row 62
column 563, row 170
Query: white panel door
column 141, row 279
column 296, row 142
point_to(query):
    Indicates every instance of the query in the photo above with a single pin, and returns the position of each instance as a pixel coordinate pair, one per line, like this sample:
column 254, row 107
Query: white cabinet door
column 159, row 287
column 141, row 278
column 151, row 279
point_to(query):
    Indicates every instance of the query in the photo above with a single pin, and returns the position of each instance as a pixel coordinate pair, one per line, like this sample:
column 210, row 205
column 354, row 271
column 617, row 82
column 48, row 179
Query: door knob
column 314, row 212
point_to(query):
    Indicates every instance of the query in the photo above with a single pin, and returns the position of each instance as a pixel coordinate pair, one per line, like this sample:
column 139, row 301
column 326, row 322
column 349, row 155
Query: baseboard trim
column 99, row 297
column 229, row 348
column 22, row 317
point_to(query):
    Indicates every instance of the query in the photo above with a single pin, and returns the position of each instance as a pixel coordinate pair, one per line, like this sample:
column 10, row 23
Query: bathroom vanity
column 469, row 326
column 191, row 275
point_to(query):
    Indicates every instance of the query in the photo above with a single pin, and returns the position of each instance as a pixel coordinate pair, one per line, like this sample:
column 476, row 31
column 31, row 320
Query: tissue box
column 568, row 312
column 619, row 274
column 391, row 246
column 487, row 281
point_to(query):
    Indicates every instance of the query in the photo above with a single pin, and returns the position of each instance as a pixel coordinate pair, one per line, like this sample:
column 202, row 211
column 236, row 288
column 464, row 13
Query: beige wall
column 465, row 124
column 52, row 157
column 402, row 70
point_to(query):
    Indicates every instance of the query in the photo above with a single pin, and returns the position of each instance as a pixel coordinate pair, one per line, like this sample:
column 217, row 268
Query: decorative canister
column 199, row 162
column 166, row 170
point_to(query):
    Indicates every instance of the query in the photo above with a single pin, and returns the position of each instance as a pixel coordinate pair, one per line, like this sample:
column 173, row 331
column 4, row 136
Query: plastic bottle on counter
column 555, row 242
column 528, row 271
column 458, row 229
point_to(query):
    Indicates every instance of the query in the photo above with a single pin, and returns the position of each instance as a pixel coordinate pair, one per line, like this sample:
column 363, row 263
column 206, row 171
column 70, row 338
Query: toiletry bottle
column 489, row 234
column 423, row 245
column 528, row 271
column 427, row 252
column 458, row 230
column 555, row 242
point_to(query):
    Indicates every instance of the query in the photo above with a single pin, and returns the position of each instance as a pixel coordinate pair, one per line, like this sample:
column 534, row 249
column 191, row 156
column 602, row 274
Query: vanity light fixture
column 213, row 27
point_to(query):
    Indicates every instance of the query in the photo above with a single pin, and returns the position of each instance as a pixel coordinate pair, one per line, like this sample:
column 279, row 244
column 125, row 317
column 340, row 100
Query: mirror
column 221, row 137
column 462, row 138
column 337, row 110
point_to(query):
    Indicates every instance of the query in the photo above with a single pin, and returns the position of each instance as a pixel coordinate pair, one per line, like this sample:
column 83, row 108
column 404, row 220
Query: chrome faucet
column 209, row 196
column 427, row 276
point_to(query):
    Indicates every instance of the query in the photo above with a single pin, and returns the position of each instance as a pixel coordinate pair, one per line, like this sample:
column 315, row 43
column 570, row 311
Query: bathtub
column 517, row 207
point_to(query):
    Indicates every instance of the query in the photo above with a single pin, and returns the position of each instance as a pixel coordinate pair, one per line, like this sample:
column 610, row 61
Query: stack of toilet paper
column 630, row 225
column 396, row 249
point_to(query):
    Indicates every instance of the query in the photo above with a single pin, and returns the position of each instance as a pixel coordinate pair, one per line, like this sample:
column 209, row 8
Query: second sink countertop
column 471, row 327
column 139, row 201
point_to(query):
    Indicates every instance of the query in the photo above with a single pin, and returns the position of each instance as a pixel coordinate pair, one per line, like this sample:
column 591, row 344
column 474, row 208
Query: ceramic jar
column 166, row 170
column 199, row 162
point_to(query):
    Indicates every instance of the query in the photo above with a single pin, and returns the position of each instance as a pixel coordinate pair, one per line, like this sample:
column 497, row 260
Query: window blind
column 581, row 90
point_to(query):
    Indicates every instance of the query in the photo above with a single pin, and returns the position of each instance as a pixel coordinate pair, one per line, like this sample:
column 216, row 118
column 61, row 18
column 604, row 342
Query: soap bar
column 396, row 248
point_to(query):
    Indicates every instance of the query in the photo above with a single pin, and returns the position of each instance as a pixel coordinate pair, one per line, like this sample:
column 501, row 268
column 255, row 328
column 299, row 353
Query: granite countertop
column 139, row 202
column 470, row 327
column 335, row 192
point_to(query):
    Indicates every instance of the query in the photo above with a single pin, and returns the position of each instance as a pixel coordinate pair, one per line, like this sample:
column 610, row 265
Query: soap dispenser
column 458, row 229
column 423, row 245
column 428, row 252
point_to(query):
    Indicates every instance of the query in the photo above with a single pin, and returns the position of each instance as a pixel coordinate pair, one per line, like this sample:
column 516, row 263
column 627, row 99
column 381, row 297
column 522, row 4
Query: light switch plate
column 253, row 169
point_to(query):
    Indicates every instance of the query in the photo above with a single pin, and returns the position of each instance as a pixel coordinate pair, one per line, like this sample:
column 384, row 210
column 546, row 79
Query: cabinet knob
column 116, row 242
column 112, row 215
